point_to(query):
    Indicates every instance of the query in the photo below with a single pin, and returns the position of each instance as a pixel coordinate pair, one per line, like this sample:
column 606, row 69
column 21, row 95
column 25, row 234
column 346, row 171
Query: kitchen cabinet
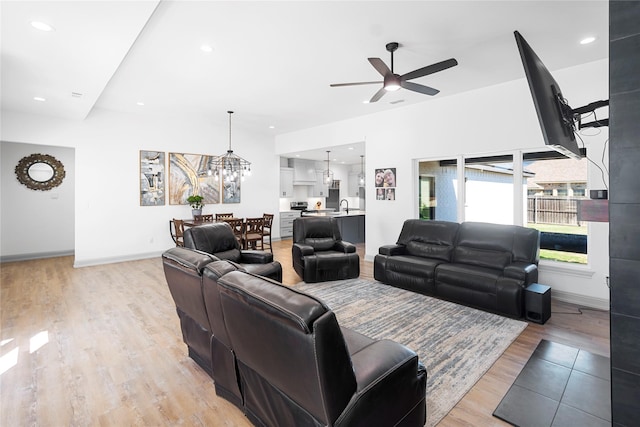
column 286, row 223
column 286, row 182
column 320, row 187
column 353, row 185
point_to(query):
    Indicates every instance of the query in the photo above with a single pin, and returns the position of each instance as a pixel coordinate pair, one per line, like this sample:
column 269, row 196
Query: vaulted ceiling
column 272, row 61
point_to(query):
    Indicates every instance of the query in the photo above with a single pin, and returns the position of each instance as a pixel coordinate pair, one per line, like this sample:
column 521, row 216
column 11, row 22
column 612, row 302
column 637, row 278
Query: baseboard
column 580, row 300
column 111, row 260
column 39, row 255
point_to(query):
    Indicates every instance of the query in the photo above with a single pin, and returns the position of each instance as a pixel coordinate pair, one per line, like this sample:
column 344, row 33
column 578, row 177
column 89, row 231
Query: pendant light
column 328, row 175
column 361, row 177
column 230, row 166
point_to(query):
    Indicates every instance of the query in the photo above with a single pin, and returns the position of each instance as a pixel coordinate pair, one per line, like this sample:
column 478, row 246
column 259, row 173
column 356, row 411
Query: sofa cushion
column 320, row 243
column 412, row 265
column 230, row 255
column 429, row 250
column 433, row 239
column 481, row 257
column 465, row 276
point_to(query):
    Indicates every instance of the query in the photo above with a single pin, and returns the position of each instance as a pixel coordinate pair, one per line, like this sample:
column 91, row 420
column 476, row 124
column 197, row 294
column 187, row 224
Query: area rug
column 457, row 344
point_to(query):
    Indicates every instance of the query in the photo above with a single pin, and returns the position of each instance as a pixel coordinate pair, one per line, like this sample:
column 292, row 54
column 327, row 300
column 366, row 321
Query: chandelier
column 328, row 175
column 230, row 166
column 361, row 177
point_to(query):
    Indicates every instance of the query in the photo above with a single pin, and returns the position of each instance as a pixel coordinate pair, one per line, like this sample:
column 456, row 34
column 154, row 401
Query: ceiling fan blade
column 419, row 88
column 378, row 95
column 353, row 84
column 429, row 69
column 380, row 66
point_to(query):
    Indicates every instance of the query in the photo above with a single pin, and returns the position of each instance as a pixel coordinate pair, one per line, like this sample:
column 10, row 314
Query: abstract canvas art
column 191, row 174
column 152, row 178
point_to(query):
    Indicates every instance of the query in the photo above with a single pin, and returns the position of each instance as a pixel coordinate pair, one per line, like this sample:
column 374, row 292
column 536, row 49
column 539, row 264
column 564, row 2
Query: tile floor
column 559, row 386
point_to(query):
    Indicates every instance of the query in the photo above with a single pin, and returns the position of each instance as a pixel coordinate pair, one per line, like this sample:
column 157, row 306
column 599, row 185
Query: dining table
column 191, row 222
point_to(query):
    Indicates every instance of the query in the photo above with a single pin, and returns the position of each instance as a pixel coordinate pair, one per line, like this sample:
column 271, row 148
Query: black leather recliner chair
column 218, row 240
column 319, row 254
column 297, row 366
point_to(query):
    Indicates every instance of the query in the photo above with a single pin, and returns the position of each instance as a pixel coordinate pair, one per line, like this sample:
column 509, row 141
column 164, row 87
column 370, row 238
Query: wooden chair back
column 237, row 225
column 253, row 233
column 220, row 216
column 266, row 230
column 176, row 228
column 203, row 218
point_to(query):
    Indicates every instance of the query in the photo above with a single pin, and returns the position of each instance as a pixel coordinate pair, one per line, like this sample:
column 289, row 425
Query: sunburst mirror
column 40, row 172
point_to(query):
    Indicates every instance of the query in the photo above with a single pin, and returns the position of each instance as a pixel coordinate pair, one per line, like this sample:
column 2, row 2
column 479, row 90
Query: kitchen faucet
column 345, row 200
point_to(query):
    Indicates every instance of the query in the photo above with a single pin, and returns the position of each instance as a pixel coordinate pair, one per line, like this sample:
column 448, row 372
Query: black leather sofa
column 218, row 240
column 478, row 264
column 319, row 254
column 297, row 366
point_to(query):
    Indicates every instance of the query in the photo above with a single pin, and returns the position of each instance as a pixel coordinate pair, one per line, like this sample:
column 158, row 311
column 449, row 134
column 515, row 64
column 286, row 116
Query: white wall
column 491, row 120
column 36, row 223
column 110, row 224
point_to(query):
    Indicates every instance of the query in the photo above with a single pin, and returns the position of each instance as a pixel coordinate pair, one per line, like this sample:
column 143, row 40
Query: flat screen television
column 557, row 119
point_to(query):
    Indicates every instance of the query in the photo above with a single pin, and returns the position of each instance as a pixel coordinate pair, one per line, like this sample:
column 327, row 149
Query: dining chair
column 253, row 233
column 266, row 230
column 237, row 225
column 176, row 228
column 220, row 216
column 203, row 218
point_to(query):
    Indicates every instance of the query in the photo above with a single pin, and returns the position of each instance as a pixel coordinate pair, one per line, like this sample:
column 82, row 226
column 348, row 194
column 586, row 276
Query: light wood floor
column 102, row 346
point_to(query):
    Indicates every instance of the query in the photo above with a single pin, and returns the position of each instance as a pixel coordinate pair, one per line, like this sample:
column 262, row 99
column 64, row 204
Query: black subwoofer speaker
column 537, row 303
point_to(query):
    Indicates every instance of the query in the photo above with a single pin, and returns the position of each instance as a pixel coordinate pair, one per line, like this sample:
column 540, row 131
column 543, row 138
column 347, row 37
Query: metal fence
column 553, row 210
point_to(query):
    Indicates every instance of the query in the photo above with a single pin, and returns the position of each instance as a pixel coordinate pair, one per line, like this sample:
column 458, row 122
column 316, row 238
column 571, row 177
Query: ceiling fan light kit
column 393, row 81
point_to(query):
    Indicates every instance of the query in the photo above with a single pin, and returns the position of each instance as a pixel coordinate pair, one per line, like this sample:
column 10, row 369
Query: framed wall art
column 152, row 178
column 190, row 174
column 385, row 183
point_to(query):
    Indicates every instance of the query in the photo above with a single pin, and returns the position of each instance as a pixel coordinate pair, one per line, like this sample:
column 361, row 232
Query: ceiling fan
column 393, row 81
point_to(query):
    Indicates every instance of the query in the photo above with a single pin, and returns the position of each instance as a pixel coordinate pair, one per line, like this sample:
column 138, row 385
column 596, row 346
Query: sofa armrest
column 255, row 257
column 391, row 384
column 392, row 250
column 527, row 272
column 345, row 247
column 303, row 249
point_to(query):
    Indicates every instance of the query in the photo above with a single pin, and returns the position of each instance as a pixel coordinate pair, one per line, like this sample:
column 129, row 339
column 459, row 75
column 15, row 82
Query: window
column 437, row 190
column 555, row 186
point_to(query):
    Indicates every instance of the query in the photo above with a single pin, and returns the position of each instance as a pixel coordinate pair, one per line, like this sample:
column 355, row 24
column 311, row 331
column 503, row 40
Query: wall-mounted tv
column 557, row 119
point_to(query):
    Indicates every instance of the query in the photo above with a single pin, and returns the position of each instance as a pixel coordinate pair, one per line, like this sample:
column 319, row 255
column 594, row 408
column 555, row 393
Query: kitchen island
column 351, row 224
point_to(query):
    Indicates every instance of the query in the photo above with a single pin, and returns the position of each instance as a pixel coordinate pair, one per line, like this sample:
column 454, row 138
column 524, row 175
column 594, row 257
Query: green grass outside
column 558, row 255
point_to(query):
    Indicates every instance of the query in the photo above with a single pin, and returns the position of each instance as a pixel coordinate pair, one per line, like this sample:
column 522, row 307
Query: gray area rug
column 457, row 344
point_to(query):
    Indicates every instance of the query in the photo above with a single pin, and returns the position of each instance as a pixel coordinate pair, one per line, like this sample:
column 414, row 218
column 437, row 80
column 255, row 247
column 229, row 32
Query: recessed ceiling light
column 272, row 127
column 587, row 40
column 206, row 48
column 366, row 101
column 140, row 103
column 42, row 26
column 39, row 99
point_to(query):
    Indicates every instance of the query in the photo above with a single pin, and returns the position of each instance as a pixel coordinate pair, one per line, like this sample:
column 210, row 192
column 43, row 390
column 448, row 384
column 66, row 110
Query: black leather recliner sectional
column 478, row 264
column 280, row 355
